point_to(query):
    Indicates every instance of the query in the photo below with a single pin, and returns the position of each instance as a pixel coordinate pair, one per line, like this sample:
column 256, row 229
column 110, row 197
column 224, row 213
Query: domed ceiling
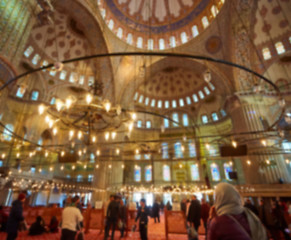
column 158, row 24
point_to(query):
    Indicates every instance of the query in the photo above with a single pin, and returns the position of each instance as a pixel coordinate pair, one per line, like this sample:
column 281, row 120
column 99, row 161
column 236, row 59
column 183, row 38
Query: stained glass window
column 185, row 120
column 167, row 104
column 20, row 92
column 28, row 51
column 227, row 168
column 139, row 124
column 188, row 100
column 135, row 96
column 137, row 173
column 166, row 123
column 215, row 172
column 73, row 77
column 162, row 44
column 214, row 10
column 214, row 116
column 165, row 150
column 195, row 31
column 174, row 104
column 129, row 38
column 280, row 47
column 195, row 98
column 184, row 37
column 181, row 102
column 147, row 100
column 150, row 44
column 266, row 53
column 166, row 173
column 172, row 41
column 82, row 79
column 148, row 173
column 63, row 75
column 178, row 150
column 222, row 112
column 201, row 95
column 140, row 99
column 194, row 172
column 7, row 135
column 160, row 104
column 79, row 178
column 148, row 124
column 204, row 119
column 90, row 177
column 119, row 32
column 111, row 24
column 206, row 90
column 212, row 87
column 192, row 149
column 34, row 95
column 153, row 103
column 35, row 59
column 176, row 119
column 205, row 22
column 139, row 42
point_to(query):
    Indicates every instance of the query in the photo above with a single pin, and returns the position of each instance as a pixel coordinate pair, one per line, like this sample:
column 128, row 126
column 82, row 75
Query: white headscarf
column 228, row 202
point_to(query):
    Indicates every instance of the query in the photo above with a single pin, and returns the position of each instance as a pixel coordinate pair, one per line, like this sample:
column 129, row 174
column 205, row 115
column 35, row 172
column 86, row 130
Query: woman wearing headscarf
column 230, row 220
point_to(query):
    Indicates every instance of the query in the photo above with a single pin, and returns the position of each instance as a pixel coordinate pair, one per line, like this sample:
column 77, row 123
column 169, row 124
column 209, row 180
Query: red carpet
column 156, row 231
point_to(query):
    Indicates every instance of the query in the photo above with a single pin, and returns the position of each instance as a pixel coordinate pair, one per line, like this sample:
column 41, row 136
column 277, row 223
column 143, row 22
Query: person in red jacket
column 229, row 220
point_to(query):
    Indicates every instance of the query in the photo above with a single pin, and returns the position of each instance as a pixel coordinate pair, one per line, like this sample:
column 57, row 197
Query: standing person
column 156, row 211
column 142, row 215
column 205, row 208
column 169, row 206
column 15, row 217
column 111, row 217
column 279, row 221
column 194, row 213
column 122, row 217
column 230, row 220
column 183, row 205
column 71, row 218
column 249, row 205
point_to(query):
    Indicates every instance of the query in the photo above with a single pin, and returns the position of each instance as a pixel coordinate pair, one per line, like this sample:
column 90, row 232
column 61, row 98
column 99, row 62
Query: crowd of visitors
column 227, row 218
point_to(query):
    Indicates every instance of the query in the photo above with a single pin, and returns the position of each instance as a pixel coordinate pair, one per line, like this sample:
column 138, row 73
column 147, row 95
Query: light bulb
column 136, row 151
column 110, row 166
column 3, row 155
column 51, row 123
column 107, row 136
column 130, row 126
column 93, row 139
column 39, row 170
column 18, row 155
column 41, row 109
column 98, row 152
column 71, row 133
column 80, row 153
column 51, row 169
column 122, row 166
column 117, row 151
column 268, row 162
column 63, row 153
column 47, row 119
column 46, row 154
column 80, row 135
column 133, row 116
column 207, row 146
column 68, row 102
column 287, row 161
column 73, row 167
column 264, row 142
column 59, row 105
column 62, row 168
column 55, row 130
column 113, row 135
column 97, row 165
column 107, row 105
column 85, row 166
column 180, row 165
column 182, row 148
column 234, row 144
column 89, row 98
column 118, row 110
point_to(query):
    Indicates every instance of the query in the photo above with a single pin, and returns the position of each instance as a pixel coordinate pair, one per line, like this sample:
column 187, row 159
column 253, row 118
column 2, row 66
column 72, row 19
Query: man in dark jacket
column 142, row 215
column 111, row 217
column 205, row 208
column 156, row 211
column 194, row 213
column 15, row 217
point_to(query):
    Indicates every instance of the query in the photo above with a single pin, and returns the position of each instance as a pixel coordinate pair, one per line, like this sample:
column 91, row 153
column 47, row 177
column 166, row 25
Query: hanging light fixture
column 107, row 105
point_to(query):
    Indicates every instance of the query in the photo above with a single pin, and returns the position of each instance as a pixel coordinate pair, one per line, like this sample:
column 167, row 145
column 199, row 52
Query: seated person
column 38, row 227
column 54, row 225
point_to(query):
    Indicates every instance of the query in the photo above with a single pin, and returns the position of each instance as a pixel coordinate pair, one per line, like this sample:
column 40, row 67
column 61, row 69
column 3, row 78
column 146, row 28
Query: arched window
column 147, row 100
column 195, row 98
column 222, row 112
column 166, row 123
column 184, row 37
column 181, row 102
column 140, row 99
column 73, row 77
column 174, row 104
column 153, row 103
column 91, row 81
column 129, row 38
column 160, row 104
column 90, row 177
column 147, row 156
column 215, row 172
column 165, row 151
column 178, row 150
column 7, row 133
column 214, row 116
column 167, row 104
column 201, row 94
column 206, row 90
column 205, row 22
column 139, row 124
column 176, row 119
column 79, row 178
column 266, row 53
column 53, row 73
column 20, row 92
column 227, row 168
column 103, row 12
column 44, row 64
column 111, row 24
column 28, row 51
column 195, row 31
column 192, row 149
column 211, row 86
column 40, row 142
column 137, row 173
column 119, row 32
column 63, row 75
column 194, row 172
column 35, row 59
column 148, row 173
column 166, row 173
column 34, row 95
column 82, row 80
column 172, row 41
column 135, row 96
column 161, row 44
column 204, row 119
column 214, row 10
column 280, row 47
column 150, row 44
column 185, row 120
column 52, row 101
column 148, row 124
column 139, row 42
column 188, row 100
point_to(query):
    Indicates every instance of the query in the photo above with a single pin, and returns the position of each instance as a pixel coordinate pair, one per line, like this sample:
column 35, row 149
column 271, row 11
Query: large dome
column 158, row 24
